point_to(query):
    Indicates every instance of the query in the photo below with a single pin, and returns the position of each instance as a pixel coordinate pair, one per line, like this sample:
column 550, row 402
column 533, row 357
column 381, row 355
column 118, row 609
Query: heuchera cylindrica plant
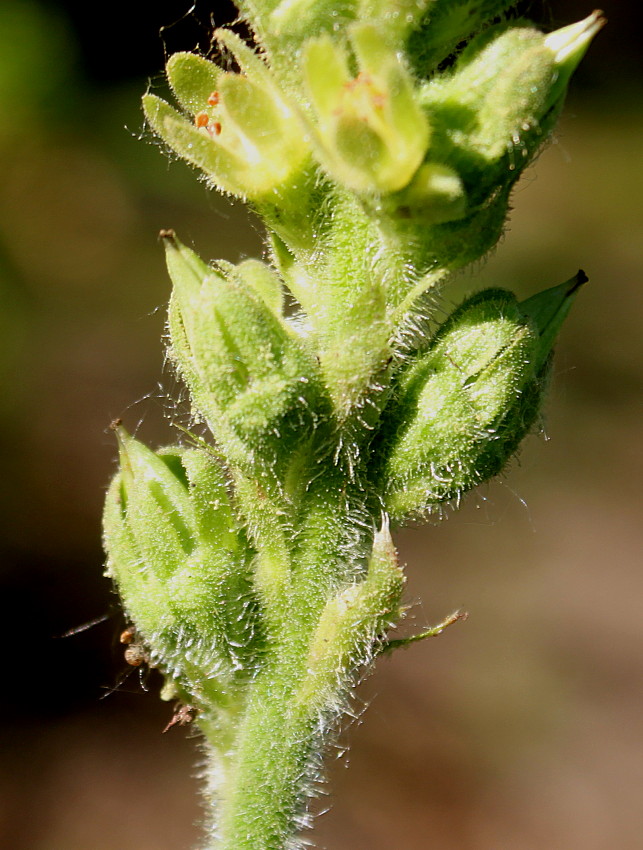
column 379, row 141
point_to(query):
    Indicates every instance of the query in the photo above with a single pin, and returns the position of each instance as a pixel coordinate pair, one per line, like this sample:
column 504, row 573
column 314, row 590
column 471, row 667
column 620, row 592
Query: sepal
column 194, row 144
column 548, row 310
column 260, row 279
column 194, row 80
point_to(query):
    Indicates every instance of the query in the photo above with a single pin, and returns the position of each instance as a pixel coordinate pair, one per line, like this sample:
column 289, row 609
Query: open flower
column 239, row 129
column 371, row 133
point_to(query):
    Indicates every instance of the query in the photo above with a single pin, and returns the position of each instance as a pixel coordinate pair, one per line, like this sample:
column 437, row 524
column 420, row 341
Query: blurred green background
column 521, row 728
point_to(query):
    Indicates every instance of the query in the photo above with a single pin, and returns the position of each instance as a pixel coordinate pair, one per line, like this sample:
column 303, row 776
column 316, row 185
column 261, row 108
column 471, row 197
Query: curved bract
column 380, row 141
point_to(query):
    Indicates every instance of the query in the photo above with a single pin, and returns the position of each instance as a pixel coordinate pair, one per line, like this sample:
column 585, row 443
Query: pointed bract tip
column 576, row 282
column 547, row 310
column 121, row 433
column 570, row 43
column 123, row 438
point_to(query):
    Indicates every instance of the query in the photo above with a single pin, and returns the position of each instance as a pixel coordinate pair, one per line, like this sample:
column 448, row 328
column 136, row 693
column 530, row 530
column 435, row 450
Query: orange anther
column 362, row 79
column 214, row 99
column 202, row 119
column 215, row 128
column 127, row 635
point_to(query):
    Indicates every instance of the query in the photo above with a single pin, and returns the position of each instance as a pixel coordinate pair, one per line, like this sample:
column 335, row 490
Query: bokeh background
column 519, row 729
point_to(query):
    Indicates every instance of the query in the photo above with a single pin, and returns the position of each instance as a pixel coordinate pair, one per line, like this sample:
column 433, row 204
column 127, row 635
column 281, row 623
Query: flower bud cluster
column 182, row 566
column 250, row 375
column 430, row 154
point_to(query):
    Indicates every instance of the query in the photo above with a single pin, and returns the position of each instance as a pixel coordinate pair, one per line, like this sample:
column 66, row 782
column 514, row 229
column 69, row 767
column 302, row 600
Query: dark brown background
column 523, row 727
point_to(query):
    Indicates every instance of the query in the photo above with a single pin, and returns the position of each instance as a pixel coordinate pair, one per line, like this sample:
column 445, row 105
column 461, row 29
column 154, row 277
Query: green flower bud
column 499, row 103
column 351, row 623
column 371, row 133
column 463, row 407
column 249, row 374
column 241, row 131
column 181, row 566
